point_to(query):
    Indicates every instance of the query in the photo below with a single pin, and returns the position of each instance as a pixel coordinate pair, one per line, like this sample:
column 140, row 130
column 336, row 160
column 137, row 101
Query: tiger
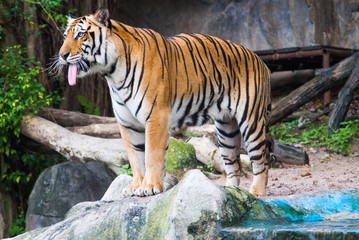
column 159, row 83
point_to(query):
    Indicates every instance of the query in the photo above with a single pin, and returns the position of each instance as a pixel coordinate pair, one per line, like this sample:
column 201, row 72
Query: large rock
column 198, row 209
column 195, row 208
column 62, row 186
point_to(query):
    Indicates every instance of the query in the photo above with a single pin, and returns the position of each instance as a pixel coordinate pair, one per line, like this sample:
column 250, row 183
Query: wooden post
column 324, row 80
column 326, row 64
column 345, row 96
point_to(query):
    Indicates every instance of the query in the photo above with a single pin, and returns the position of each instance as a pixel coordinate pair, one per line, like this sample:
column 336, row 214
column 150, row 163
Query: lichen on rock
column 181, row 157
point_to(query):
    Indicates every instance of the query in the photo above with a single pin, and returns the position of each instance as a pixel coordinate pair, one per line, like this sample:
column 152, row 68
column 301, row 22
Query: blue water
column 336, row 230
column 329, row 215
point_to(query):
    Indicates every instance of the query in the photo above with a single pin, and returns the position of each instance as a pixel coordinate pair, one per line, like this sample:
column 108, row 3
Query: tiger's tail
column 271, row 158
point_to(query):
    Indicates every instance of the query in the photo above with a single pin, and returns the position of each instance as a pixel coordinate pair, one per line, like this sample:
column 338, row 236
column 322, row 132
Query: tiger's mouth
column 73, row 69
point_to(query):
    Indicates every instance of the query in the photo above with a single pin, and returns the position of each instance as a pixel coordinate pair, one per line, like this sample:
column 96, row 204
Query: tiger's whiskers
column 55, row 67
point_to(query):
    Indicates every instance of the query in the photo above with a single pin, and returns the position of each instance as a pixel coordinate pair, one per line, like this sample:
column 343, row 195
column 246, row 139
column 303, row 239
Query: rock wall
column 256, row 24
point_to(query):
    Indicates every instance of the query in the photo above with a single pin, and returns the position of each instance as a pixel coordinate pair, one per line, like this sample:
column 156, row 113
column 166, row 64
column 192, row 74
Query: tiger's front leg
column 157, row 136
column 134, row 141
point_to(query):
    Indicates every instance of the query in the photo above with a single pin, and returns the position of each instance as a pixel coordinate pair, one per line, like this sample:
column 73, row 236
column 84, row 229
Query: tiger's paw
column 258, row 191
column 129, row 191
column 259, row 184
column 233, row 181
column 148, row 190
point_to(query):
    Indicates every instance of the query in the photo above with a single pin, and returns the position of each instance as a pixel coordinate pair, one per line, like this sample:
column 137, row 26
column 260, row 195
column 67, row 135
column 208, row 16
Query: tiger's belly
column 180, row 118
column 123, row 113
column 182, row 114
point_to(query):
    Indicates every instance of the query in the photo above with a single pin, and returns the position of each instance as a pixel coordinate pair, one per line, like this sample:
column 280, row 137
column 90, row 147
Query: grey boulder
column 62, row 186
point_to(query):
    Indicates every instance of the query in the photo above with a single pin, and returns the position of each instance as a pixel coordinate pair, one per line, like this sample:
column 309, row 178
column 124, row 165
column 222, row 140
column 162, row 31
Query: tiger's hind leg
column 258, row 151
column 134, row 142
column 229, row 139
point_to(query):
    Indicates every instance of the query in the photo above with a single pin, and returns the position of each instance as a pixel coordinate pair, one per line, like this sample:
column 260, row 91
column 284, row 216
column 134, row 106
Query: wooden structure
column 300, row 58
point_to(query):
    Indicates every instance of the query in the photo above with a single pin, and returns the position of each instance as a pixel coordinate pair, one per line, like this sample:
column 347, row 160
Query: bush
column 20, row 93
column 339, row 141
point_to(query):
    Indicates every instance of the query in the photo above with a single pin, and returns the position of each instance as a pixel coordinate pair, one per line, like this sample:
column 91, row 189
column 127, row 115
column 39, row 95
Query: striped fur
column 158, row 83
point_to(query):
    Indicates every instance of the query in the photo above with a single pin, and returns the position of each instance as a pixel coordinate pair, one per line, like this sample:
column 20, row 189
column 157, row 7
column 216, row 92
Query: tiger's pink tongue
column 72, row 74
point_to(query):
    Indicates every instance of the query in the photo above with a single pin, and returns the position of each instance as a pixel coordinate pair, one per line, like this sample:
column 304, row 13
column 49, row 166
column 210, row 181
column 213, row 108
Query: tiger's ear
column 70, row 19
column 102, row 16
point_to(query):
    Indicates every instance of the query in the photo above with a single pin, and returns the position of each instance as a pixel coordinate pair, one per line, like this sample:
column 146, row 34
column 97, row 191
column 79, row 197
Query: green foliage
column 341, row 138
column 2, row 33
column 88, row 106
column 284, row 132
column 210, row 166
column 190, row 134
column 18, row 227
column 20, row 93
column 338, row 141
column 125, row 169
column 52, row 9
column 13, row 11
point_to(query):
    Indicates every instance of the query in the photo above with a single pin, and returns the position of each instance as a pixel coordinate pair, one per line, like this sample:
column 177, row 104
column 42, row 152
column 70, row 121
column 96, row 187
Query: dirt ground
column 325, row 172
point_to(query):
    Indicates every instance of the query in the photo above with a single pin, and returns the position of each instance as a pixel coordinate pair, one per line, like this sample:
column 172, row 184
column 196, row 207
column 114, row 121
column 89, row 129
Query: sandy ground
column 326, row 172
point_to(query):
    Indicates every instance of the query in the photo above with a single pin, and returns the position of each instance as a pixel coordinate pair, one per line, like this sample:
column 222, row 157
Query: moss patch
column 208, row 225
column 157, row 226
column 238, row 205
column 181, row 157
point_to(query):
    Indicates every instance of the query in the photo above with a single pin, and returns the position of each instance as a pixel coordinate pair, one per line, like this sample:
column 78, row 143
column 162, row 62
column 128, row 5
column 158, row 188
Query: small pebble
column 313, row 150
column 298, row 145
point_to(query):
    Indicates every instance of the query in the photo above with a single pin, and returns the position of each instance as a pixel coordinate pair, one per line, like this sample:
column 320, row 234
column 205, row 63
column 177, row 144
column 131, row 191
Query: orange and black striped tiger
column 158, row 83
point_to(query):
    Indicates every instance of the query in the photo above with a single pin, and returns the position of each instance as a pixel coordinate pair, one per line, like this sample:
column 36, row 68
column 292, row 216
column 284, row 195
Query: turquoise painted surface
column 324, row 230
column 327, row 215
column 336, row 205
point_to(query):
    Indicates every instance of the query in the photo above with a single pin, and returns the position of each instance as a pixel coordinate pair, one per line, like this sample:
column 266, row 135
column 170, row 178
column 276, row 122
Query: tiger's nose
column 65, row 55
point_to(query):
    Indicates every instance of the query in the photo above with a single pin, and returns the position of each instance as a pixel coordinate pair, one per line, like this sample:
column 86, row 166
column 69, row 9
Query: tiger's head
column 84, row 50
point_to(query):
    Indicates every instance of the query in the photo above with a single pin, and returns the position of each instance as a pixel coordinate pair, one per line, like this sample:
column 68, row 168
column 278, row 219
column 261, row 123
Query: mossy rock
column 181, row 157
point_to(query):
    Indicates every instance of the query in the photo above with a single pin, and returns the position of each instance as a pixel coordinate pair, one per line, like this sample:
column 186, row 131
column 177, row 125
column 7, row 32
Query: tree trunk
column 70, row 119
column 206, row 147
column 74, row 146
column 102, row 130
column 288, row 154
column 325, row 80
column 345, row 97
